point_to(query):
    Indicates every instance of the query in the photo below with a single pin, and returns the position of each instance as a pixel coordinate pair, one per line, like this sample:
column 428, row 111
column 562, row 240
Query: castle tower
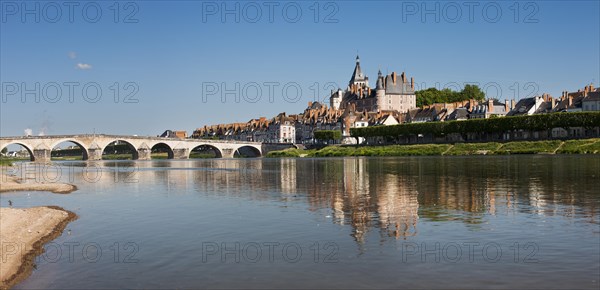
column 336, row 99
column 380, row 91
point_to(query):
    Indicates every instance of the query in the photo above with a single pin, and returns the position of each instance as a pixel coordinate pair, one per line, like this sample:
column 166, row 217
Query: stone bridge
column 40, row 147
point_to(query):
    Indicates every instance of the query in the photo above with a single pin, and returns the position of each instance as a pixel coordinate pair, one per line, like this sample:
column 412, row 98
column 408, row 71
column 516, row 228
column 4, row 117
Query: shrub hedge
column 326, row 135
column 495, row 125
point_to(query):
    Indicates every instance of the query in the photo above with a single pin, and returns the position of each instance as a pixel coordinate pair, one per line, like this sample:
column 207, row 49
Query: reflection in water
column 365, row 193
column 369, row 207
column 398, row 207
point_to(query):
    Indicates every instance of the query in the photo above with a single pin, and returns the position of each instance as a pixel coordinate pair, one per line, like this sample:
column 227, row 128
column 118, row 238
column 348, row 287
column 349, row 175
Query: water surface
column 423, row 222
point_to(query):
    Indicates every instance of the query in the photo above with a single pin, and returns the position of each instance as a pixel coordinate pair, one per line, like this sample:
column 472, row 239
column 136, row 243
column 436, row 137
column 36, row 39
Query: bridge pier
column 41, row 155
column 144, row 154
column 227, row 153
column 180, row 153
column 95, row 152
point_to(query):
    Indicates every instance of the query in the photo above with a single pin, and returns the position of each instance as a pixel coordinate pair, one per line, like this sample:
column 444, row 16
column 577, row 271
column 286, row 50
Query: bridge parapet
column 93, row 145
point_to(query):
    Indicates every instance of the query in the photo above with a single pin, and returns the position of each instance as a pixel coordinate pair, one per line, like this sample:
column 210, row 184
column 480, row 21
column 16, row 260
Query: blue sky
column 175, row 52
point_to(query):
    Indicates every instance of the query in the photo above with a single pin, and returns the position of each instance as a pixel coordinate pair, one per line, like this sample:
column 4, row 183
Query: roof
column 400, row 87
column 459, row 114
column 357, row 75
column 545, row 107
column 522, row 107
column 315, row 105
column 592, row 97
column 563, row 103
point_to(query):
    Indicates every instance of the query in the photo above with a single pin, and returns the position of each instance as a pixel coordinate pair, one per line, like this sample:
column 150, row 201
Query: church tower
column 358, row 77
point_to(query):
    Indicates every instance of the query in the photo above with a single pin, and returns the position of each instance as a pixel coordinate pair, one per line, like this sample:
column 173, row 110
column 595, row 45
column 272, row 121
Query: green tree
column 328, row 135
column 432, row 95
column 472, row 92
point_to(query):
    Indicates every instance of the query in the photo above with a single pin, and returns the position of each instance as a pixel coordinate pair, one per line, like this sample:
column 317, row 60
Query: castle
column 391, row 93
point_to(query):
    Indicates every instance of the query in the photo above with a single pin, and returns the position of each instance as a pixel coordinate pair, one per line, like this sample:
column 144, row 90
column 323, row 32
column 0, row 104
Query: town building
column 490, row 108
column 174, row 134
column 591, row 100
column 283, row 129
column 534, row 105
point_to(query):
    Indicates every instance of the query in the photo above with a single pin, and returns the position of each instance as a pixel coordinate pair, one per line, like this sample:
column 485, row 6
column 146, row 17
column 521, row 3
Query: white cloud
column 72, row 55
column 84, row 66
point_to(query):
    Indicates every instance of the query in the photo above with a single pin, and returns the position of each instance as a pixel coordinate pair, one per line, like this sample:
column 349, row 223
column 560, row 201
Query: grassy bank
column 588, row 146
column 9, row 161
column 5, row 162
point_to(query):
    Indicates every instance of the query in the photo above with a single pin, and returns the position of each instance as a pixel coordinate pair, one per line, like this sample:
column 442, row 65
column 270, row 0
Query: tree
column 328, row 135
column 472, row 92
column 432, row 95
column 5, row 150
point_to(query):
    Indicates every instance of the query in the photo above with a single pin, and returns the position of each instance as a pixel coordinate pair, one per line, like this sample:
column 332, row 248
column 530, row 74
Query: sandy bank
column 23, row 232
column 9, row 183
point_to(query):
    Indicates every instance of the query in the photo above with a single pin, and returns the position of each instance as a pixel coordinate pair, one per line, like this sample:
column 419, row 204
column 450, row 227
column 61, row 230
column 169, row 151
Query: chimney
column 309, row 104
column 412, row 83
column 553, row 103
column 570, row 100
column 394, row 77
column 512, row 104
column 506, row 105
column 591, row 87
column 490, row 105
column 403, row 77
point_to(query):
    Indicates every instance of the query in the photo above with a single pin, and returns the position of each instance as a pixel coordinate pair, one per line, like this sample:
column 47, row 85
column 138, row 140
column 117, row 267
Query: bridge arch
column 24, row 145
column 115, row 149
column 161, row 147
column 246, row 151
column 203, row 148
column 84, row 150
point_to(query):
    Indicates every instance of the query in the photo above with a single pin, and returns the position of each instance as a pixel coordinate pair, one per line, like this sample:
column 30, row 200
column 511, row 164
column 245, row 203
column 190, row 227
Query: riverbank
column 10, row 183
column 586, row 146
column 23, row 233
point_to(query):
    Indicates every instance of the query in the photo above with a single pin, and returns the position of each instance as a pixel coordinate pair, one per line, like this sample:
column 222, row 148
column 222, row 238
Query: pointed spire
column 357, row 76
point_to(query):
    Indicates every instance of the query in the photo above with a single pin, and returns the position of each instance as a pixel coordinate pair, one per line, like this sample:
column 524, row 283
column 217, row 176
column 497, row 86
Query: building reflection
column 388, row 196
column 398, row 206
column 288, row 175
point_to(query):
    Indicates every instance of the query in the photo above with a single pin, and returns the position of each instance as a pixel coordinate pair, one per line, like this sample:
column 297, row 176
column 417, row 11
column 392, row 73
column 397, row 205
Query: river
column 424, row 222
